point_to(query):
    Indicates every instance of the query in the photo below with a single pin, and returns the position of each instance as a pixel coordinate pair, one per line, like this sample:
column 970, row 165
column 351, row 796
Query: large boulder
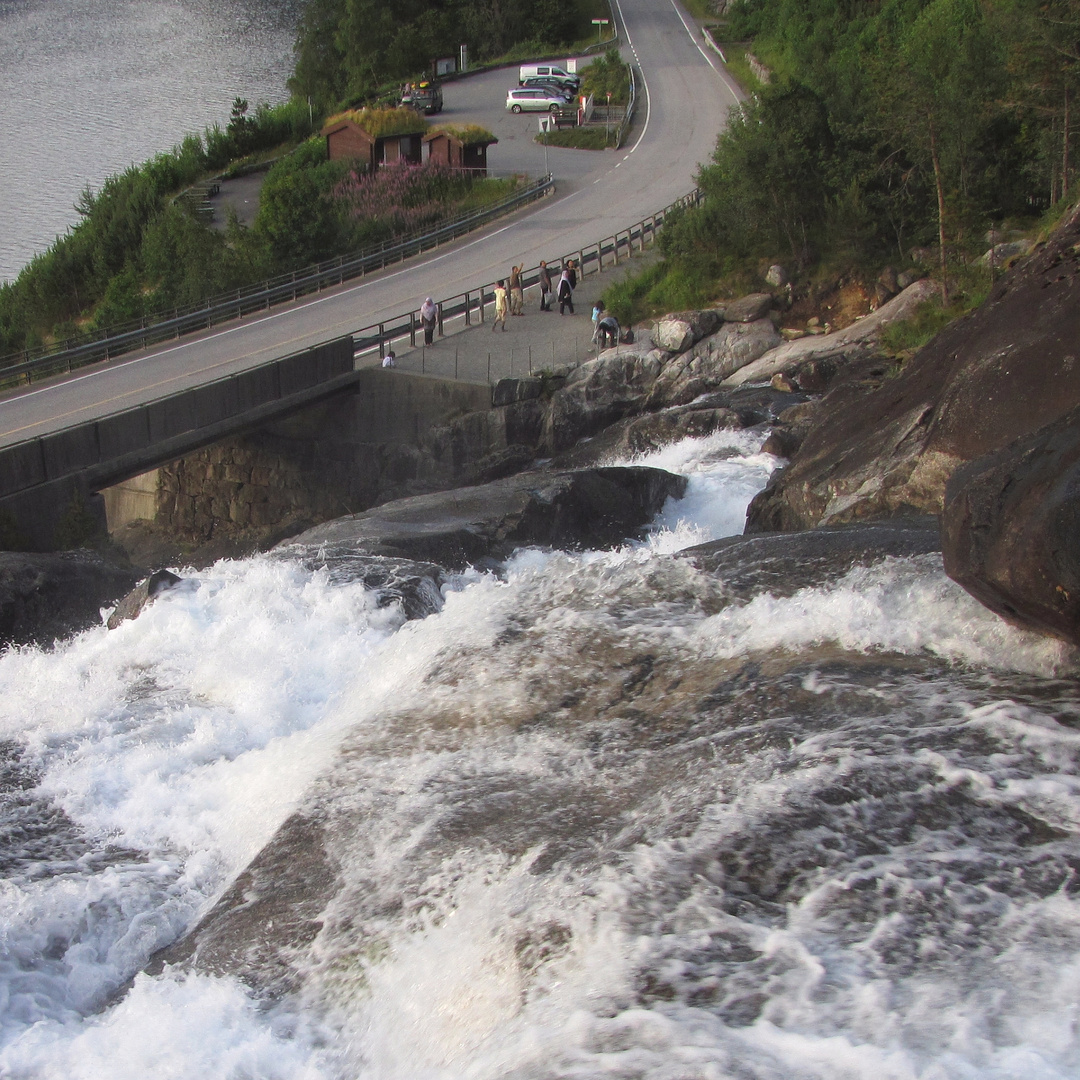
column 600, row 392
column 887, row 445
column 712, row 360
column 1011, row 529
column 587, row 508
column 679, row 331
column 748, row 308
column 47, row 596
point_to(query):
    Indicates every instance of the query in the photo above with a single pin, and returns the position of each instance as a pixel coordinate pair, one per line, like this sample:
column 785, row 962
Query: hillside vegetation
column 889, row 129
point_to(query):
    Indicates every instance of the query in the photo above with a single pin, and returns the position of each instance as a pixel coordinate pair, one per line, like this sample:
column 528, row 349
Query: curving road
column 685, row 104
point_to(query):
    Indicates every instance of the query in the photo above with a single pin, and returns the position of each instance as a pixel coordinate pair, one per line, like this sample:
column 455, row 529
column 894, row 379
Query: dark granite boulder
column 1011, row 529
column 144, row 593
column 47, row 596
column 587, row 508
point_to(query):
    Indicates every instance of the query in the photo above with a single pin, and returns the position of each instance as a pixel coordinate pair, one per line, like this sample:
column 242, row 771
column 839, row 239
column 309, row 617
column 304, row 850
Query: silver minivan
column 535, row 99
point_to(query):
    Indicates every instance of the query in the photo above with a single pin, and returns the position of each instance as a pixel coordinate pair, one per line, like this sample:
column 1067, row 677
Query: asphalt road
column 682, row 108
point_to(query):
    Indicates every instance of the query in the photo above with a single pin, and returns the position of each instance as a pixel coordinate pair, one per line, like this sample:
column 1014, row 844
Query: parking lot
column 481, row 99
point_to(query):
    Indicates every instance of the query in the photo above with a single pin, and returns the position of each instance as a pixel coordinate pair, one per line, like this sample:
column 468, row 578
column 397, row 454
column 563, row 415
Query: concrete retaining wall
column 337, row 456
column 84, row 459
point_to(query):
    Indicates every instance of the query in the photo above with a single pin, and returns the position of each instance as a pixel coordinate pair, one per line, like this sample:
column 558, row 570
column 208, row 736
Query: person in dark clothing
column 571, row 266
column 607, row 332
column 566, row 293
column 545, row 287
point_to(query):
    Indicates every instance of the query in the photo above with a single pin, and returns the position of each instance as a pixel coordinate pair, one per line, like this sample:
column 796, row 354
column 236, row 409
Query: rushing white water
column 592, row 819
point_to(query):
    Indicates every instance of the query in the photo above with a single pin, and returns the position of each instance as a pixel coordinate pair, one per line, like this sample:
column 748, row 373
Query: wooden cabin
column 460, row 148
column 375, row 137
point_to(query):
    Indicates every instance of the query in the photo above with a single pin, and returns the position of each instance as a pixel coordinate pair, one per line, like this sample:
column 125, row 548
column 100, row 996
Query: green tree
column 938, row 99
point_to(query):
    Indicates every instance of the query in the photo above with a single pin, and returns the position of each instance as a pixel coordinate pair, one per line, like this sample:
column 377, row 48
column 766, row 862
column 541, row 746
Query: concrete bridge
column 45, row 477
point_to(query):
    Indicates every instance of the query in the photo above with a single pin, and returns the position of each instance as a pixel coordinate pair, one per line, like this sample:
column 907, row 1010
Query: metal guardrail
column 471, row 306
column 286, row 287
column 624, row 127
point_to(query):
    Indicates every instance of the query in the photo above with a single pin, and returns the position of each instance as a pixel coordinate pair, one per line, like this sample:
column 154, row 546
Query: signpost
column 600, row 24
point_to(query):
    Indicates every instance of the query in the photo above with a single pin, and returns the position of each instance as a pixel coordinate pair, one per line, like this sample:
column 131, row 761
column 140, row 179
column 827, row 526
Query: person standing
column 597, row 314
column 517, row 298
column 545, row 286
column 500, row 306
column 429, row 314
column 572, row 267
column 566, row 293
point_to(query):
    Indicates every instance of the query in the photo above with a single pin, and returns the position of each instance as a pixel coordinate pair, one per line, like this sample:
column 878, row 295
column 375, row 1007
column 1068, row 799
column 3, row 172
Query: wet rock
column 1011, row 529
column 782, row 564
column 269, row 913
column 416, row 586
column 588, row 508
column 748, row 308
column 887, row 444
column 508, row 391
column 144, row 593
column 49, row 596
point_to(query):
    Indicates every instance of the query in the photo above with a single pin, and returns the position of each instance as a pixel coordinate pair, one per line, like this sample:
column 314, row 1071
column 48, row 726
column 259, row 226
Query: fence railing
column 471, row 307
column 25, row 367
column 628, row 116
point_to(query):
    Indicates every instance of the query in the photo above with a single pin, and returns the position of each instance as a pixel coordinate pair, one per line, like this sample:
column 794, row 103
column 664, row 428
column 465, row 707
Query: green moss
column 380, row 123
column 467, row 134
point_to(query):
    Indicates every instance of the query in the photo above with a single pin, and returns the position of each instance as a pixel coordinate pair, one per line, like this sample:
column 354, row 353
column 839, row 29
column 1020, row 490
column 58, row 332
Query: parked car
column 424, row 97
column 528, row 71
column 535, row 99
column 547, row 83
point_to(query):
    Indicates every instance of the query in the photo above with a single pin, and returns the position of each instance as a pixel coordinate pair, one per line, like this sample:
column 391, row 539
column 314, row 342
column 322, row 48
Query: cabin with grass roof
column 459, row 147
column 375, row 137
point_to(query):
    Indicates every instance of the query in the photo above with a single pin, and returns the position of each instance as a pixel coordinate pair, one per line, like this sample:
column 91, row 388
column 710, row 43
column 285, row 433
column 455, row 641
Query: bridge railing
column 60, row 359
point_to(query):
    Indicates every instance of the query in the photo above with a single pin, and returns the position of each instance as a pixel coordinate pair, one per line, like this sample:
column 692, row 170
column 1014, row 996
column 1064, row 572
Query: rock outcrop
column 1011, row 529
column 887, row 446
column 48, row 596
column 587, row 508
column 856, row 341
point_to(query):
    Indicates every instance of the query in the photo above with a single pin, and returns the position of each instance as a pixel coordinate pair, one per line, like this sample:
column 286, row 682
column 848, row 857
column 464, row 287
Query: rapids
column 602, row 815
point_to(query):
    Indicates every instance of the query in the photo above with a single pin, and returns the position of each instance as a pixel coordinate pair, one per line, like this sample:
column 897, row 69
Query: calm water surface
column 90, row 86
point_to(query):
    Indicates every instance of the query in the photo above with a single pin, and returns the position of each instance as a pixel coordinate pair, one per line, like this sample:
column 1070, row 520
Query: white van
column 548, row 71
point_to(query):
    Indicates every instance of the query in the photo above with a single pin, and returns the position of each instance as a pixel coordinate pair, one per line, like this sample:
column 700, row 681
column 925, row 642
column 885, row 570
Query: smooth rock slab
column 1011, row 529
column 589, row 508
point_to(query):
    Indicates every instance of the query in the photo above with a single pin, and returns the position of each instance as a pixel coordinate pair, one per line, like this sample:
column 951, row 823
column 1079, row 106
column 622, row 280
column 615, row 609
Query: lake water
column 91, row 86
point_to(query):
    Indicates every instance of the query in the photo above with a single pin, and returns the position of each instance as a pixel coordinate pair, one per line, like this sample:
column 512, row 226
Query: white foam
column 186, row 737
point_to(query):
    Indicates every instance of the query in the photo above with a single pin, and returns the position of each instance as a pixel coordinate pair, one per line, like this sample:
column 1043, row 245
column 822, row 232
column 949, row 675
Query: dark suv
column 424, row 97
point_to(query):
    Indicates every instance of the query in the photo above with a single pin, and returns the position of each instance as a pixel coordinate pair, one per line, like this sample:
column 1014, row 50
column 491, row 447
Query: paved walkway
column 534, row 342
